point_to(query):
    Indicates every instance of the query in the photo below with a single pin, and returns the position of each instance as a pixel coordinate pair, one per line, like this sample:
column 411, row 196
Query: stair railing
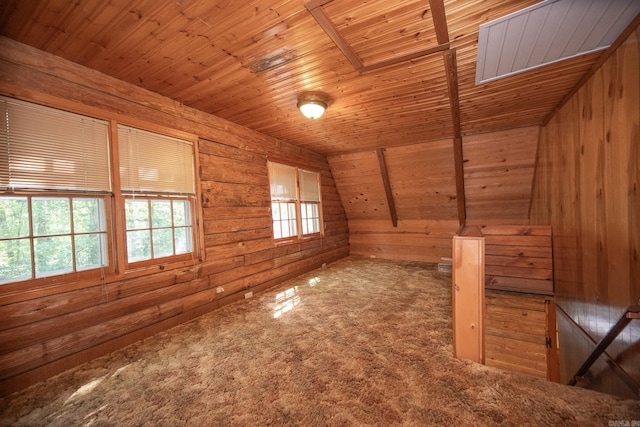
column 633, row 312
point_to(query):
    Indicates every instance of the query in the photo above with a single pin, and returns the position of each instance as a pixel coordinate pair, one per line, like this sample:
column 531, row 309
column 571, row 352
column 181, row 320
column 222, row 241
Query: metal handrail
column 633, row 312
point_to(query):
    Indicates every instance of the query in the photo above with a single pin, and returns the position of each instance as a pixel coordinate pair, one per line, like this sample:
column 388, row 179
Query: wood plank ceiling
column 249, row 60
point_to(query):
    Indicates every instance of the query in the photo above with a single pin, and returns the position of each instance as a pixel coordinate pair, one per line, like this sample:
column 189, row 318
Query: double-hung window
column 54, row 192
column 296, row 209
column 158, row 188
column 71, row 205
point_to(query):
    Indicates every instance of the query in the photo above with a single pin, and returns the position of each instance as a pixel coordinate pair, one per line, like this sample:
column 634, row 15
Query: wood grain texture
column 587, row 188
column 515, row 333
column 248, row 61
column 519, row 258
column 46, row 330
column 498, row 174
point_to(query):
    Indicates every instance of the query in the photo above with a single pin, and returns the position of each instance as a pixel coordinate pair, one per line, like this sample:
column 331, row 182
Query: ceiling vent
column 549, row 32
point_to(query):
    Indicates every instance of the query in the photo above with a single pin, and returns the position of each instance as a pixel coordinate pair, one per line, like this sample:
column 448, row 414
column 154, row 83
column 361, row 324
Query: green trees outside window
column 45, row 236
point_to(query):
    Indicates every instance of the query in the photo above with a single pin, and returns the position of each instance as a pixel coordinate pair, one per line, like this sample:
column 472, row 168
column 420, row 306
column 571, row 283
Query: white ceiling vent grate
column 549, row 32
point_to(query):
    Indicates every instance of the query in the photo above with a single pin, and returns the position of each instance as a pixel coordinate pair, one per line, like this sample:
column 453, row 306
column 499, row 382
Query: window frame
column 76, row 275
column 299, row 236
column 118, row 268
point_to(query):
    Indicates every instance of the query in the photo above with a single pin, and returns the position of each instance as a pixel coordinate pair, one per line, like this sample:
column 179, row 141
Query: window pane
column 275, row 211
column 90, row 251
column 15, row 260
column 277, row 230
column 138, row 245
column 162, row 242
column 181, row 212
column 50, row 216
column 291, row 207
column 161, row 213
column 137, row 212
column 53, row 255
column 88, row 215
column 183, row 240
column 14, row 217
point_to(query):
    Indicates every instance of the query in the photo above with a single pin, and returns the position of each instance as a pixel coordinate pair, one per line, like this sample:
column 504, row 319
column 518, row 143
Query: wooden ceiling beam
column 315, row 8
column 387, row 186
column 439, row 21
column 405, row 57
column 451, row 67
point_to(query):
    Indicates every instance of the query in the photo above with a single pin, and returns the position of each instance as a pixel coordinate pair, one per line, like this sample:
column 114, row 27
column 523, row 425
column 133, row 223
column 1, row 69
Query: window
column 157, row 180
column 54, row 183
column 57, row 197
column 295, row 201
column 46, row 236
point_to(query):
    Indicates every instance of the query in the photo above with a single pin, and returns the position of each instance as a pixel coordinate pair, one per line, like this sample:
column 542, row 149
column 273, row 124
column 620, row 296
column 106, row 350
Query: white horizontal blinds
column 45, row 148
column 154, row 163
column 282, row 179
column 309, row 186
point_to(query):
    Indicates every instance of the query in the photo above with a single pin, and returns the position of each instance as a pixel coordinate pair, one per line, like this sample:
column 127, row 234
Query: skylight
column 548, row 32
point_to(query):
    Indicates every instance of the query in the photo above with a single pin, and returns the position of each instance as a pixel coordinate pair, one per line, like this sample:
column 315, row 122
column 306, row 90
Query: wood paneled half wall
column 45, row 330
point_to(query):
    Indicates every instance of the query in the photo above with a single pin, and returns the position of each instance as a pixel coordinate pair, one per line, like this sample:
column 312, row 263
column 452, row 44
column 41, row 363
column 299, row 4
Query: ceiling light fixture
column 312, row 108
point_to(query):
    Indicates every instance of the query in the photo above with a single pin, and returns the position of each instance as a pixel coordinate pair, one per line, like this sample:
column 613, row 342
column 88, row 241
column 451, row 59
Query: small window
column 295, row 201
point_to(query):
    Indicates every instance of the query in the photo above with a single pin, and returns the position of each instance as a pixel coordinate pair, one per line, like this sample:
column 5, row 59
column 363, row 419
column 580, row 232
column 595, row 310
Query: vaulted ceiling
column 394, row 72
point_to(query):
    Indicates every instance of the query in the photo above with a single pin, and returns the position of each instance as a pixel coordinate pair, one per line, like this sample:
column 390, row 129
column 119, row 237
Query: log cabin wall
column 45, row 331
column 587, row 187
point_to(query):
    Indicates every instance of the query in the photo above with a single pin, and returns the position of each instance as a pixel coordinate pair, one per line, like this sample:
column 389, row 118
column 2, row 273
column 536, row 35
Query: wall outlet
column 248, row 295
column 324, row 265
column 219, row 290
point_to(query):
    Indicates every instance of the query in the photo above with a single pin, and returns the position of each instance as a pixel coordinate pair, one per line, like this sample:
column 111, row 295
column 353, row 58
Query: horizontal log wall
column 45, row 331
column 587, row 187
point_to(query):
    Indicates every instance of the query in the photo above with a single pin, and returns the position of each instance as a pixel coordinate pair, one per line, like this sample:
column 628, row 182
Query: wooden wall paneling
column 585, row 188
column 519, row 258
column 51, row 329
column 359, row 183
column 516, row 332
column 498, row 173
column 421, row 180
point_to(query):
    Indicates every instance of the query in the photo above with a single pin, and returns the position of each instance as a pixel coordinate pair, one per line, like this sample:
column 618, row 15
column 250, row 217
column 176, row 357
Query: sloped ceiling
column 396, row 73
column 249, row 60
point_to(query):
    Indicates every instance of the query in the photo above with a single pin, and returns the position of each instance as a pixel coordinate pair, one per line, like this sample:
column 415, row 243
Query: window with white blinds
column 154, row 163
column 309, row 186
column 57, row 204
column 48, row 149
column 282, row 179
column 295, row 201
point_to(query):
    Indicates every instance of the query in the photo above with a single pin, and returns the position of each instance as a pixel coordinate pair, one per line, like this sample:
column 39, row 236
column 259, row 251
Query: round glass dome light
column 312, row 108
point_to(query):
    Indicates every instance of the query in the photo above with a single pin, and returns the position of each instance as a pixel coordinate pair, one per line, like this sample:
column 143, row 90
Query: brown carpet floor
column 360, row 342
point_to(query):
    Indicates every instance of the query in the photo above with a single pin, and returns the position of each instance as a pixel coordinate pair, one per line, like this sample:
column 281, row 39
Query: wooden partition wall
column 45, row 331
column 587, row 187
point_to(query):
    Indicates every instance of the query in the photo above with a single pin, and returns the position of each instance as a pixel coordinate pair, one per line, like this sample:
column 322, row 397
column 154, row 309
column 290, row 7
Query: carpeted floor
column 360, row 342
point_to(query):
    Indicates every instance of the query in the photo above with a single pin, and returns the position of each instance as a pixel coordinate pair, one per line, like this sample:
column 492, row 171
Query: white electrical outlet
column 248, row 295
column 324, row 265
column 219, row 290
